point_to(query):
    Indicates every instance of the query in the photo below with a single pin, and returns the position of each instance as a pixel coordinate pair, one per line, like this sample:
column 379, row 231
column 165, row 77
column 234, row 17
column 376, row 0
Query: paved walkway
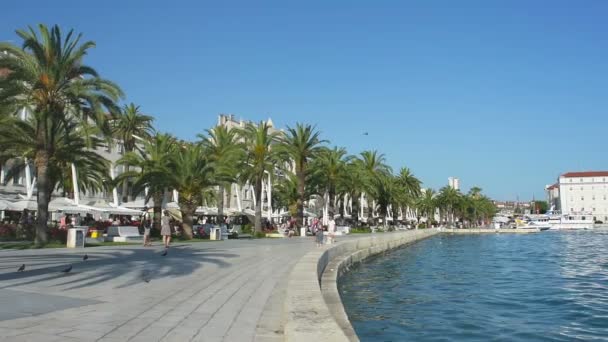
column 203, row 291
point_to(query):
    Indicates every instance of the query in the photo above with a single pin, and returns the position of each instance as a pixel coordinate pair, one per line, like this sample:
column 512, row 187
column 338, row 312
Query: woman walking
column 165, row 229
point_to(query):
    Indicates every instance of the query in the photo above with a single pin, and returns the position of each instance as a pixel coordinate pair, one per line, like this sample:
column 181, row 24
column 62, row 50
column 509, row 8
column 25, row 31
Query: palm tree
column 449, row 198
column 47, row 76
column 426, row 205
column 374, row 165
column 330, row 166
column 155, row 170
column 226, row 152
column 410, row 186
column 193, row 173
column 388, row 193
column 128, row 126
column 302, row 144
column 261, row 158
column 74, row 148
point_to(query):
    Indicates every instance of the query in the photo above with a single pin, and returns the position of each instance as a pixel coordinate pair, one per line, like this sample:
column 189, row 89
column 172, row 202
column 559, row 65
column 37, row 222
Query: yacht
column 571, row 221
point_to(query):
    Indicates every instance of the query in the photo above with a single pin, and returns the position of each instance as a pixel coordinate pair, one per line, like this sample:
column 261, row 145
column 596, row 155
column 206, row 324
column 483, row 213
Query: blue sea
column 549, row 286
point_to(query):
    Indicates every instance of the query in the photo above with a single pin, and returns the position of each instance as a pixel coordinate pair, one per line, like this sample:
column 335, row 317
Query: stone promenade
column 202, row 291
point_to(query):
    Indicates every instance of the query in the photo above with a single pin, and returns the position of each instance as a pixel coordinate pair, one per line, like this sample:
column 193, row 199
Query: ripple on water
column 532, row 287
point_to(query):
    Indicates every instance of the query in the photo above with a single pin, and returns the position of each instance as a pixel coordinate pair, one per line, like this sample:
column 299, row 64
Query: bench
column 123, row 234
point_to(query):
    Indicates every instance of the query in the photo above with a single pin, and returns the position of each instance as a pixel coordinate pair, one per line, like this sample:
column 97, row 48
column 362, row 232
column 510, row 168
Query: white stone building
column 578, row 192
column 454, row 183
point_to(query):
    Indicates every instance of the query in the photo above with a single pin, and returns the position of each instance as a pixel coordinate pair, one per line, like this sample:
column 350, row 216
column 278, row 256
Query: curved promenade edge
column 313, row 309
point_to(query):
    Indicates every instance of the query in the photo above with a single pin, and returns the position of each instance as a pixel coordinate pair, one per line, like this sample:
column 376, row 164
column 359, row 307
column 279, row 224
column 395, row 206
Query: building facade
column 454, row 183
column 581, row 192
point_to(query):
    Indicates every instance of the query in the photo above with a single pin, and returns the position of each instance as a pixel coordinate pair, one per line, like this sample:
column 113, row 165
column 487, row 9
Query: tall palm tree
column 410, row 186
column 48, row 77
column 155, row 170
column 193, row 174
column 330, row 165
column 302, row 144
column 226, row 152
column 128, row 126
column 261, row 158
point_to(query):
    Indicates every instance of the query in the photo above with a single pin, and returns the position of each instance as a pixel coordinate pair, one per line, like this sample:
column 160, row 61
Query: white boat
column 540, row 223
column 571, row 221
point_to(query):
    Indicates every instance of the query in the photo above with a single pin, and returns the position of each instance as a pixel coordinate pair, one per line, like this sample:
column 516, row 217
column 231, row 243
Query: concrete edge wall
column 313, row 309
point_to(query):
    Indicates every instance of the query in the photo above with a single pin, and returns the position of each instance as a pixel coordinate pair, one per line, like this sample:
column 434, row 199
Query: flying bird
column 164, row 253
column 85, row 257
column 67, row 269
column 365, row 133
column 21, row 269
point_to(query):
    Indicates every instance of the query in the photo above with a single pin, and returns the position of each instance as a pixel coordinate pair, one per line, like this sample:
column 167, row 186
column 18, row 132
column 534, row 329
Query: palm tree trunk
column 43, row 197
column 125, row 188
column 355, row 210
column 220, row 204
column 158, row 202
column 300, row 201
column 330, row 206
column 188, row 210
column 258, row 205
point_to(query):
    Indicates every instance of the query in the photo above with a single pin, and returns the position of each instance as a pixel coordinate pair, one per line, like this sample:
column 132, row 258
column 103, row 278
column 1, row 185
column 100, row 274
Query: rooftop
column 585, row 174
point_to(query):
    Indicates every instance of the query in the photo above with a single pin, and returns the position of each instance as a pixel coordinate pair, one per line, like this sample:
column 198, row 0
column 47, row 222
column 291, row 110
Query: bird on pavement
column 67, row 269
column 145, row 275
column 85, row 257
column 164, row 253
column 21, row 269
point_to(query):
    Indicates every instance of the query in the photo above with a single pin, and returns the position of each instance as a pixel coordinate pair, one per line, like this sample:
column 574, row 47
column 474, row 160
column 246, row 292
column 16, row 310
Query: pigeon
column 22, row 268
column 67, row 269
column 164, row 253
column 145, row 275
column 85, row 257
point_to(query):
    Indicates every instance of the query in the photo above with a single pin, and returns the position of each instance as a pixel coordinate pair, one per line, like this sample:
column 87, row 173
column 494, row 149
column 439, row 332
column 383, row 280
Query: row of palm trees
column 72, row 112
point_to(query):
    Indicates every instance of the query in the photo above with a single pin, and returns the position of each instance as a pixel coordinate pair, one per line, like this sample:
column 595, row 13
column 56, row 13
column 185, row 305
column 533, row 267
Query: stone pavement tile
column 32, row 337
column 83, row 334
column 269, row 338
column 46, row 329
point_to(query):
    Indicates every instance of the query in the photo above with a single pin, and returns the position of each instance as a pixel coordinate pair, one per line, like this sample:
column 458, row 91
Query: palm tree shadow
column 110, row 264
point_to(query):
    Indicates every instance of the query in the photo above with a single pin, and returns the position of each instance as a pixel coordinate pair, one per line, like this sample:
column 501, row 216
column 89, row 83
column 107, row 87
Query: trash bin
column 77, row 237
column 303, row 232
column 215, row 234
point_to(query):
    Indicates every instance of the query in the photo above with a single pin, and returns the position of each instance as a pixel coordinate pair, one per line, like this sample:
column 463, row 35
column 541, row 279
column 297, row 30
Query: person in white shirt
column 331, row 230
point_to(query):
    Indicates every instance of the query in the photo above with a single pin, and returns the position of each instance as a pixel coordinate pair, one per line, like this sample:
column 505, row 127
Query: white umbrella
column 22, row 205
column 3, row 205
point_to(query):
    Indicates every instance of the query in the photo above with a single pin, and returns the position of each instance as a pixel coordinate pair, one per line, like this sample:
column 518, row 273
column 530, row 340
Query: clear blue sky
column 505, row 95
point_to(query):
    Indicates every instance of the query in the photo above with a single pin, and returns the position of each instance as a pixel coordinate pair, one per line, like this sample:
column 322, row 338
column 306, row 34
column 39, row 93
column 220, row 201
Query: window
column 570, row 188
column 581, row 180
column 582, row 198
column 593, row 209
column 571, row 209
column 570, row 180
column 604, row 197
column 582, row 209
column 593, row 198
column 581, row 188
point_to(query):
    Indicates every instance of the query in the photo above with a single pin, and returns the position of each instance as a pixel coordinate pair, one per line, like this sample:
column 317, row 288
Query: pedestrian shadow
column 106, row 265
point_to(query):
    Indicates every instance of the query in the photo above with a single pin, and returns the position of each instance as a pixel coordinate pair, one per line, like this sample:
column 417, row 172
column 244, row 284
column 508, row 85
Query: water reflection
column 536, row 287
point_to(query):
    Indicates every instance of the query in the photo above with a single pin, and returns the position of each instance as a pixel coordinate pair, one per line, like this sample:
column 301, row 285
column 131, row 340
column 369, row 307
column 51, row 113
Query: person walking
column 331, row 230
column 165, row 229
column 147, row 224
column 318, row 231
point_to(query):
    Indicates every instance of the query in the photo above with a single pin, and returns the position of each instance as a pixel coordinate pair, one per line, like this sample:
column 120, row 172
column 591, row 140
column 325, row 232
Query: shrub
column 259, row 235
column 7, row 232
column 58, row 234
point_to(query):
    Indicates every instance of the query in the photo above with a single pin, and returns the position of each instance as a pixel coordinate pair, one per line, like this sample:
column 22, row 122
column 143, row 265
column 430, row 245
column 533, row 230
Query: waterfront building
column 580, row 192
column 454, row 183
